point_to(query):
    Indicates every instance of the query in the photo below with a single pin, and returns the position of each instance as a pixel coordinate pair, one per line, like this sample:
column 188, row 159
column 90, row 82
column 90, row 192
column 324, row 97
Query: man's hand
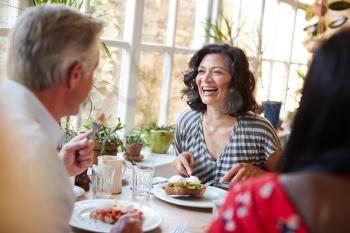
column 184, row 163
column 241, row 171
column 77, row 154
column 128, row 223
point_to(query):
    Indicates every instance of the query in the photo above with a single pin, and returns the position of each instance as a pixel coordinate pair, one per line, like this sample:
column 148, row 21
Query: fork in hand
column 95, row 126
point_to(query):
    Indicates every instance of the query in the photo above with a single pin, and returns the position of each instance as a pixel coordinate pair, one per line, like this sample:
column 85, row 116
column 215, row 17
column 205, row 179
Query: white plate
column 81, row 217
column 206, row 201
column 78, row 191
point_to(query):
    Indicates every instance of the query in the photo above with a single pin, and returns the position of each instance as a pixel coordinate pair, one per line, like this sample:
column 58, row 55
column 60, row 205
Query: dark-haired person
column 221, row 139
column 312, row 193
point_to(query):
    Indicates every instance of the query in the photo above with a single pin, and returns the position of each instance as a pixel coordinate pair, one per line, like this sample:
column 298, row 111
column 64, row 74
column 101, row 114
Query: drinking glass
column 142, row 176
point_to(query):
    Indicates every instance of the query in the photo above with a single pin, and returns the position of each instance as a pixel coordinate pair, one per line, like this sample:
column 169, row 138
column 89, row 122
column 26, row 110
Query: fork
column 95, row 126
column 181, row 227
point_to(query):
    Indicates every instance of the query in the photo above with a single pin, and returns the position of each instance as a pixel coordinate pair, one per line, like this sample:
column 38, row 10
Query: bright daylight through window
column 151, row 42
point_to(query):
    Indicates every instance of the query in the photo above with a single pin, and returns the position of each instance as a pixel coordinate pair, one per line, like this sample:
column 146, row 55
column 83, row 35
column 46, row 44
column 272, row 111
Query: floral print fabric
column 258, row 205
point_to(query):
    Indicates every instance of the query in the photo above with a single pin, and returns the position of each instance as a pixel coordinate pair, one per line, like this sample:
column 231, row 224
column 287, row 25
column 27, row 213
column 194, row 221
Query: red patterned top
column 258, row 205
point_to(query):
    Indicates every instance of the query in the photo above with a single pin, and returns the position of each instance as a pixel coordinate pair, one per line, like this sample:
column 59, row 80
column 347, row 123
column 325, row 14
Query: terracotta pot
column 111, row 150
column 133, row 150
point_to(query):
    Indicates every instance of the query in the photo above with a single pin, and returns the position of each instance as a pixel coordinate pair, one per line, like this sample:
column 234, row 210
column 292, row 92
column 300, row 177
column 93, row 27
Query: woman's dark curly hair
column 239, row 99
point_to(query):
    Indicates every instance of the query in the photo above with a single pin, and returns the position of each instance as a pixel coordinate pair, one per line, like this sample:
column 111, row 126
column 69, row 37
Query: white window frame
column 131, row 45
column 131, row 55
column 257, row 56
column 295, row 5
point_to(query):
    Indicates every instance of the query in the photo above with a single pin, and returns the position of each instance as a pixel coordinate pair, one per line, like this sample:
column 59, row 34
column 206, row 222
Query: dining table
column 198, row 219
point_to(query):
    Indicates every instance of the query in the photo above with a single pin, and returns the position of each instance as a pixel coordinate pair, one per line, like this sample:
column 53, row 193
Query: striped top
column 252, row 140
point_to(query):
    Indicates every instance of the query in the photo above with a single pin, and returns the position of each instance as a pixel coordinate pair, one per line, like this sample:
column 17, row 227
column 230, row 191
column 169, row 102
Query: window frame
column 131, row 45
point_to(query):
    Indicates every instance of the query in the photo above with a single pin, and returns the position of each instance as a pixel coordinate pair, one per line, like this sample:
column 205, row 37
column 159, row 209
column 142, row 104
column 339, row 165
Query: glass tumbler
column 142, row 176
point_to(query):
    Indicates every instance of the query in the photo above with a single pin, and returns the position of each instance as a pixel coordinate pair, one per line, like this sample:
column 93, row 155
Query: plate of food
column 188, row 192
column 99, row 215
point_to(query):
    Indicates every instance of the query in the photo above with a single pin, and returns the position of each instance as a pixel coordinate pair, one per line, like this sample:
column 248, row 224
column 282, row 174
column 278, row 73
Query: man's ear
column 74, row 75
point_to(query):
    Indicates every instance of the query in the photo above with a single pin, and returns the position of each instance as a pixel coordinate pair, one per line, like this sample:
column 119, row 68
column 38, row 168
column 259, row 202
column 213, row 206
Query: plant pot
column 108, row 150
column 160, row 141
column 133, row 150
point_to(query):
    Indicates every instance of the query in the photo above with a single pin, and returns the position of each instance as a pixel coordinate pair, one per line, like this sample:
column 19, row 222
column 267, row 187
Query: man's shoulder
column 13, row 98
column 30, row 137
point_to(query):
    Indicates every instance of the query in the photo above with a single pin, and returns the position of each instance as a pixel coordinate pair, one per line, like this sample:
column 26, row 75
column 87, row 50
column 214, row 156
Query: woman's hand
column 131, row 222
column 241, row 171
column 184, row 163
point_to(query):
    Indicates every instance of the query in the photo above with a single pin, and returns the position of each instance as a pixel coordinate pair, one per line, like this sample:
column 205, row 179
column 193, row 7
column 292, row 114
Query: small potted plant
column 133, row 146
column 158, row 137
column 106, row 138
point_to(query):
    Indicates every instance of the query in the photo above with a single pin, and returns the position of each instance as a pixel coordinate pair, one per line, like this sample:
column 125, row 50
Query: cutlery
column 159, row 182
column 217, row 184
column 209, row 183
column 95, row 126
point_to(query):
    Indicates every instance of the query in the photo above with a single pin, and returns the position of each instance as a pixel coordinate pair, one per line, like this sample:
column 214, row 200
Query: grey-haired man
column 53, row 53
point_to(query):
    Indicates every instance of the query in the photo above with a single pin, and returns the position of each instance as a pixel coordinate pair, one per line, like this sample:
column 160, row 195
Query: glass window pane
column 155, row 17
column 4, row 13
column 185, row 21
column 248, row 37
column 299, row 52
column 278, row 82
column 104, row 94
column 285, row 32
column 149, row 87
column 228, row 8
column 176, row 103
column 3, row 48
column 269, row 28
column 112, row 12
column 295, row 85
column 262, row 85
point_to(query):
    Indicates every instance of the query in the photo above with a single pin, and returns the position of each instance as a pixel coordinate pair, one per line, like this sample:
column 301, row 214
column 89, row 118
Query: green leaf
column 106, row 49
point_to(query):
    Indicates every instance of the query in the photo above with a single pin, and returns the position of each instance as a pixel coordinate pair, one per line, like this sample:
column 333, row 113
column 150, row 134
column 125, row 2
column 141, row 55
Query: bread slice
column 197, row 190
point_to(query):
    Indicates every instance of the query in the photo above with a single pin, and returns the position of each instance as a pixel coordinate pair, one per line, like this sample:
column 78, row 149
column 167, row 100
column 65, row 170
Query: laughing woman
column 221, row 140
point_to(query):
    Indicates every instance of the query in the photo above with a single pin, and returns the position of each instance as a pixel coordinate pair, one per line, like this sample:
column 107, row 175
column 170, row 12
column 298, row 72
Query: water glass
column 142, row 176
